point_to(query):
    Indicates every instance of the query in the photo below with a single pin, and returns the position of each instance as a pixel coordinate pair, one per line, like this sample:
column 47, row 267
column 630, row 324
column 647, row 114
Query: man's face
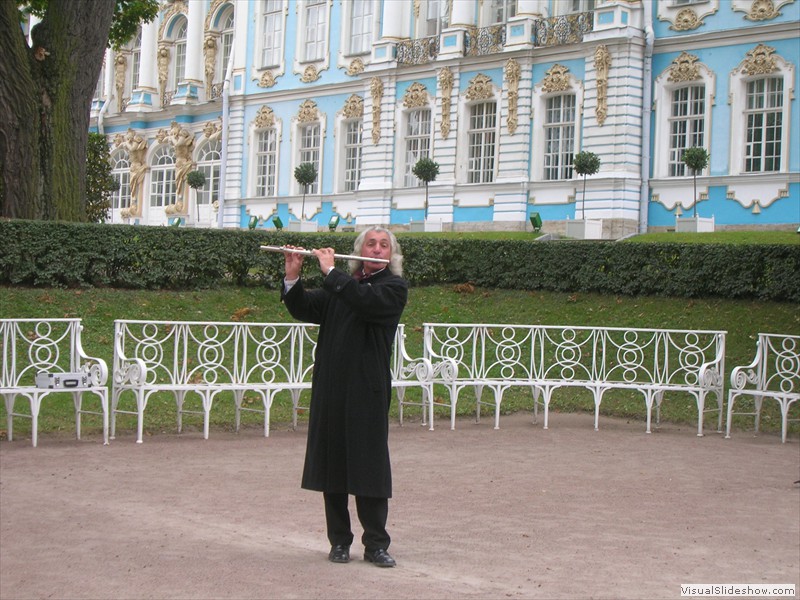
column 376, row 245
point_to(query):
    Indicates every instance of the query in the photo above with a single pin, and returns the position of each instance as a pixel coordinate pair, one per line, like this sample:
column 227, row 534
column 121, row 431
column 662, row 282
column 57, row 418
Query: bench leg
column 36, row 404
column 9, row 402
column 77, row 400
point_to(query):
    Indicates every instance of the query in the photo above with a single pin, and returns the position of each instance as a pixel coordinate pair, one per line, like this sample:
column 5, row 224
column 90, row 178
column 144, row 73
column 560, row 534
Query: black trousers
column 372, row 512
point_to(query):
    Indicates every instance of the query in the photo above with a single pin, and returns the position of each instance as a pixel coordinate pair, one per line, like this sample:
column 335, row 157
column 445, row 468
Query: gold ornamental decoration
column 416, row 96
column 556, row 79
column 684, row 68
column 480, row 88
column 513, row 74
column 265, row 118
column 353, row 107
column 376, row 90
column 308, row 112
column 310, row 74
column 686, row 20
column 267, row 79
column 446, row 83
column 602, row 63
column 356, row 67
column 760, row 61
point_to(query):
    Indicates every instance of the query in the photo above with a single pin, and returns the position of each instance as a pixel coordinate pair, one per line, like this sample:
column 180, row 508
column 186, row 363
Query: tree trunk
column 45, row 97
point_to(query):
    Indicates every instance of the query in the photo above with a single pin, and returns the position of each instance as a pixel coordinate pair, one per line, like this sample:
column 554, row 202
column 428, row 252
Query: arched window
column 120, row 171
column 136, row 60
column 162, row 177
column 226, row 41
column 179, row 63
column 208, row 161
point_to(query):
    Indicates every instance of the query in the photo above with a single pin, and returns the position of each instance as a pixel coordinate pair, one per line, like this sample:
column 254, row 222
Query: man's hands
column 294, row 261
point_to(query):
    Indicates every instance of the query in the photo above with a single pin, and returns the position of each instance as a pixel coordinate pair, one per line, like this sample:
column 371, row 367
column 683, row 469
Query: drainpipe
column 108, row 86
column 647, row 100
column 223, row 159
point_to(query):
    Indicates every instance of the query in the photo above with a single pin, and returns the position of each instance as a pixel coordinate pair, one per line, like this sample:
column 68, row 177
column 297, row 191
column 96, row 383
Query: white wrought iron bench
column 209, row 358
column 43, row 357
column 774, row 374
column 546, row 358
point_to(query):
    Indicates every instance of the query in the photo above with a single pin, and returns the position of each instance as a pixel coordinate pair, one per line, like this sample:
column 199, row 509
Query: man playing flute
column 347, row 451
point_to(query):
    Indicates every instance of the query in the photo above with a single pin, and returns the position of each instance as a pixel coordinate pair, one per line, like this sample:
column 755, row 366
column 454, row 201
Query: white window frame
column 539, row 107
column 568, row 133
column 350, row 149
column 313, row 29
column 662, row 100
column 163, row 191
column 476, row 168
column 694, row 134
column 361, row 19
column 271, row 35
column 738, row 94
column 121, row 173
column 265, row 184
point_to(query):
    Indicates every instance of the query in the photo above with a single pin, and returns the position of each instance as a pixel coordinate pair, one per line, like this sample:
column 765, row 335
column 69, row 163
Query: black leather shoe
column 379, row 558
column 339, row 554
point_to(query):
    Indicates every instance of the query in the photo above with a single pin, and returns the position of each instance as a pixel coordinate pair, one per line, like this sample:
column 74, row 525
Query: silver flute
column 310, row 253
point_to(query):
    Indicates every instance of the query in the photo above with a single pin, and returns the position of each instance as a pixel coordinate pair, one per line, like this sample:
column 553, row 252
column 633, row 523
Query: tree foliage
column 305, row 174
column 585, row 163
column 196, row 179
column 696, row 159
column 99, row 181
column 426, row 171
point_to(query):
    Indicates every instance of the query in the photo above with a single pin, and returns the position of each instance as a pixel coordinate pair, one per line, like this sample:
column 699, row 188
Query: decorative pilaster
column 376, row 91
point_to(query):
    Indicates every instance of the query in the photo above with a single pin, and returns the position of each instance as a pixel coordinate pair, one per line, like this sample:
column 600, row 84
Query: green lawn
column 99, row 307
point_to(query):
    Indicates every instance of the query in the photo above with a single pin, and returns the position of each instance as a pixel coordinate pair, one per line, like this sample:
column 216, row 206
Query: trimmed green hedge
column 40, row 253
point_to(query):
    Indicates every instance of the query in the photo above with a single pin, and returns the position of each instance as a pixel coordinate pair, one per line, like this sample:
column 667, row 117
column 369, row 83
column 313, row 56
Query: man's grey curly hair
column 396, row 261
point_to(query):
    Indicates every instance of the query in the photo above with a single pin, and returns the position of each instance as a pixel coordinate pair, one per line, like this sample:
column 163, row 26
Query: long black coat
column 347, row 449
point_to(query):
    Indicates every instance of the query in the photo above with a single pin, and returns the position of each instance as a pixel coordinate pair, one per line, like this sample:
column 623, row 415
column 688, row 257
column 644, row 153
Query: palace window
column 559, row 131
column 208, row 162
column 482, row 137
column 136, row 60
column 272, row 33
column 500, row 11
column 686, row 125
column 764, row 118
column 162, row 177
column 435, row 18
column 352, row 154
column 361, row 26
column 120, row 172
column 266, row 162
column 316, row 29
column 419, row 127
column 310, row 146
column 226, row 42
column 179, row 73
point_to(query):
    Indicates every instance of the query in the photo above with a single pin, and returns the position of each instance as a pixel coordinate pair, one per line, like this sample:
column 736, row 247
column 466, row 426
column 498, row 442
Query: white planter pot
column 419, row 226
column 585, row 229
column 302, row 226
column 694, row 225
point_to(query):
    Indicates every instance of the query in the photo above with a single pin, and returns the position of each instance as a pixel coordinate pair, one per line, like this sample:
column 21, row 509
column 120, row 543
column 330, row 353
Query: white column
column 394, row 19
column 463, row 13
column 148, row 76
column 194, row 43
column 532, row 8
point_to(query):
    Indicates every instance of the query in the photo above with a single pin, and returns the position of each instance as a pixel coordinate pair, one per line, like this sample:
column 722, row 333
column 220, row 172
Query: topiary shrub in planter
column 426, row 171
column 305, row 174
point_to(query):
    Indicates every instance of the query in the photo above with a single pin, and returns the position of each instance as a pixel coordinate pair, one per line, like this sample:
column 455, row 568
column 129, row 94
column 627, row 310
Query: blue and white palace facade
column 501, row 94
